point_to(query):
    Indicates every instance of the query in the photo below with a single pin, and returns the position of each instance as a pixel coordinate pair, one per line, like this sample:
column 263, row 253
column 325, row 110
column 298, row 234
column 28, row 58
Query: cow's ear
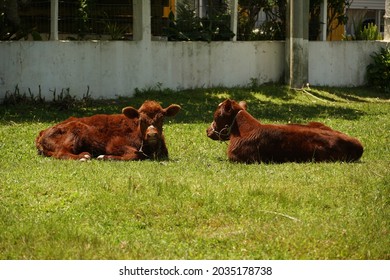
column 243, row 105
column 130, row 112
column 172, row 110
column 226, row 106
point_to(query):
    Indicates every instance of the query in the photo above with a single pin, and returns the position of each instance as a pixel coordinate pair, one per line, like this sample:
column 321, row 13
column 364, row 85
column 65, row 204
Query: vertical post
column 142, row 26
column 387, row 21
column 297, row 43
column 324, row 19
column 54, row 20
column 234, row 18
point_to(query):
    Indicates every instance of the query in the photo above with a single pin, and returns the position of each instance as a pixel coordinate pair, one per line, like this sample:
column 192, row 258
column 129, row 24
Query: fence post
column 142, row 25
column 297, row 43
column 54, row 20
column 387, row 21
column 324, row 19
column 234, row 18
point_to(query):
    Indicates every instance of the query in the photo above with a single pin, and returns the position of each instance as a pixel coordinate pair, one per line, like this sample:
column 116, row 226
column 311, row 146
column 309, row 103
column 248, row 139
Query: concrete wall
column 116, row 68
column 112, row 68
column 341, row 63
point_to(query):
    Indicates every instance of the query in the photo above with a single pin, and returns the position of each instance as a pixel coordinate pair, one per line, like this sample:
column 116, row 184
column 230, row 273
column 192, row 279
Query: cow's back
column 294, row 142
column 88, row 134
column 318, row 142
column 110, row 125
column 333, row 144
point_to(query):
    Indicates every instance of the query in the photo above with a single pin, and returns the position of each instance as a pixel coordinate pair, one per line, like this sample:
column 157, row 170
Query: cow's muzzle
column 222, row 135
column 152, row 135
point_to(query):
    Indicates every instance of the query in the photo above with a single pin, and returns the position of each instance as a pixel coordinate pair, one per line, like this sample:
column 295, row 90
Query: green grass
column 198, row 205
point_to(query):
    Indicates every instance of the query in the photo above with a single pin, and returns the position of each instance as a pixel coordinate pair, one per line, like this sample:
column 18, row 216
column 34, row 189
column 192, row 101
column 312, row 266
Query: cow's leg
column 85, row 156
column 129, row 153
column 66, row 154
column 65, row 141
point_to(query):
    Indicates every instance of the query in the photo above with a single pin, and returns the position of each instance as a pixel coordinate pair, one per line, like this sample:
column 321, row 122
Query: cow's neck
column 245, row 123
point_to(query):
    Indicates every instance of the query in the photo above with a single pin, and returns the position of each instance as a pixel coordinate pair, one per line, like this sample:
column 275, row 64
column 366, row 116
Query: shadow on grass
column 270, row 103
column 358, row 94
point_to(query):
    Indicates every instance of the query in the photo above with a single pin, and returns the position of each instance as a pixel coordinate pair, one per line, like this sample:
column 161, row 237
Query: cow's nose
column 210, row 130
column 151, row 132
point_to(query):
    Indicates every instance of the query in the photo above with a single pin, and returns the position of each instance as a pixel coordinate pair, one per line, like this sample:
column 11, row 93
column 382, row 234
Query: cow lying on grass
column 251, row 141
column 133, row 135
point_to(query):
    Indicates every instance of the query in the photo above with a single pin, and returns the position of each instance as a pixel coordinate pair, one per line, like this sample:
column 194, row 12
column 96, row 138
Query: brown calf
column 133, row 135
column 251, row 141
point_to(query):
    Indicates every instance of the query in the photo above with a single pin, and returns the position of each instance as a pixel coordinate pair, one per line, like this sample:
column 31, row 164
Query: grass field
column 198, row 205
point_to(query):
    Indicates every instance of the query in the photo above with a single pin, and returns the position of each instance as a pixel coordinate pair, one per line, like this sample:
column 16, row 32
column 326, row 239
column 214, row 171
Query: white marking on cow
column 85, row 158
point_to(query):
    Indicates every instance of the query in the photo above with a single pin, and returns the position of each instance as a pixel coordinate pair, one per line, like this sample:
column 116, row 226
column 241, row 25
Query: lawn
column 198, row 205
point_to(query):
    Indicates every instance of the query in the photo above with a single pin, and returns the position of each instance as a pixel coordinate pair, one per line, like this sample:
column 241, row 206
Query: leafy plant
column 248, row 15
column 83, row 18
column 378, row 72
column 187, row 26
column 275, row 12
column 369, row 32
column 364, row 32
column 115, row 31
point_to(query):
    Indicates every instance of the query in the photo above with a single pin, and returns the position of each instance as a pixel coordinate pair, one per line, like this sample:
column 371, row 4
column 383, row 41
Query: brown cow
column 133, row 135
column 251, row 141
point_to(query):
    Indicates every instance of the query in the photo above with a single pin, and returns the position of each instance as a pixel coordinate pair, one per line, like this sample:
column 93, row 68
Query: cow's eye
column 144, row 123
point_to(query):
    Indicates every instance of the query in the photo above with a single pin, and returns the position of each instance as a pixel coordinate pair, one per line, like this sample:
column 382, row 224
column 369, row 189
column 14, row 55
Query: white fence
column 341, row 63
column 117, row 68
column 107, row 69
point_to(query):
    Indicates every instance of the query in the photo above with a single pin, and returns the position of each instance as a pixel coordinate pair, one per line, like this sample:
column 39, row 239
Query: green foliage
column 378, row 72
column 115, row 30
column 198, row 205
column 273, row 29
column 275, row 26
column 83, row 18
column 366, row 32
column 336, row 16
column 187, row 26
column 6, row 30
column 369, row 32
column 11, row 26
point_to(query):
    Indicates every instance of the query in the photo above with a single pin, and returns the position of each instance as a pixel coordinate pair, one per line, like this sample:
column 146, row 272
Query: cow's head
column 151, row 118
column 224, row 119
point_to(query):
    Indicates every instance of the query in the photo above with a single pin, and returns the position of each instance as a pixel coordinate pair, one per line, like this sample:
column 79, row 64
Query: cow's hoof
column 101, row 157
column 85, row 157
